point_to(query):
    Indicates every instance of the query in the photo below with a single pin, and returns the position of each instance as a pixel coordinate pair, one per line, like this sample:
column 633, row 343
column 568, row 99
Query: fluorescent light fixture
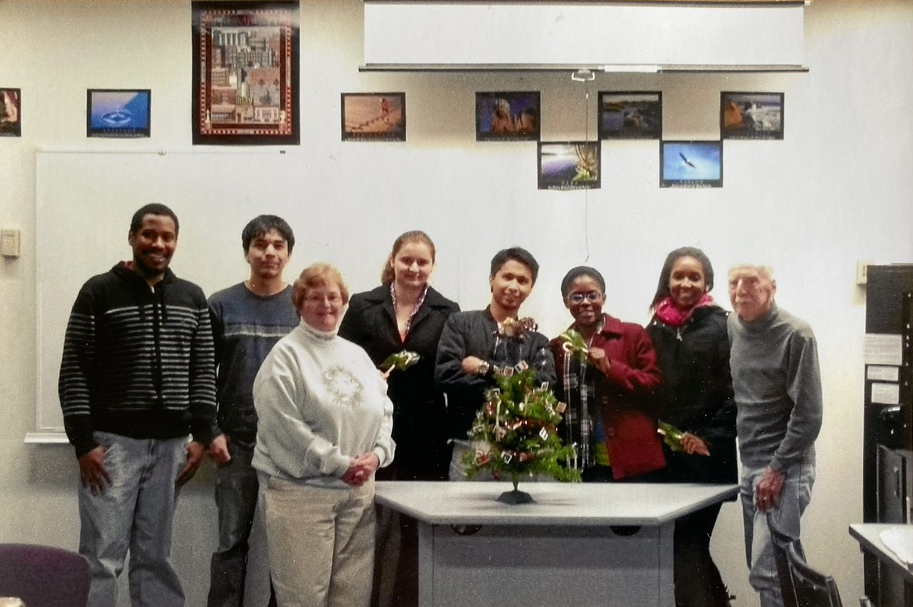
column 631, row 68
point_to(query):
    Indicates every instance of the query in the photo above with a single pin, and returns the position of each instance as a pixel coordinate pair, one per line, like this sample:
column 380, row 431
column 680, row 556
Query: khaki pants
column 321, row 543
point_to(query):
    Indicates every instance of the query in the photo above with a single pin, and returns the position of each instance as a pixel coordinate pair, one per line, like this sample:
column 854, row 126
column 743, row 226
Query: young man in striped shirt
column 137, row 378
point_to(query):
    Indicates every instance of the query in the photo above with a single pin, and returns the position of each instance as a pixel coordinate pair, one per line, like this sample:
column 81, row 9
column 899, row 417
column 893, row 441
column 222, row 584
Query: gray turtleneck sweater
column 777, row 386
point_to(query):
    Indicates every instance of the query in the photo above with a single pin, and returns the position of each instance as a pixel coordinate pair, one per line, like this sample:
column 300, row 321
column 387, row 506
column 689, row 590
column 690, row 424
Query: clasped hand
column 361, row 469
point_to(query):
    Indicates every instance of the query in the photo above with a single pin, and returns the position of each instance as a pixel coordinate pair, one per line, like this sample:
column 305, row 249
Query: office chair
column 813, row 588
column 44, row 576
column 781, row 543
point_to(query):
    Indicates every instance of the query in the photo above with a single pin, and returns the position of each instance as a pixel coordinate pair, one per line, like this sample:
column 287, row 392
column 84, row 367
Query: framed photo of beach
column 691, row 164
column 373, row 116
column 10, row 112
column 508, row 116
column 121, row 113
column 245, row 73
column 569, row 165
column 630, row 115
column 751, row 115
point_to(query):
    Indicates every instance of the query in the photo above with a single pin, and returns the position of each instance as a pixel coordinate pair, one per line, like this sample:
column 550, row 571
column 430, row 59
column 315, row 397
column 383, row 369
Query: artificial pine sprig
column 516, row 432
column 573, row 343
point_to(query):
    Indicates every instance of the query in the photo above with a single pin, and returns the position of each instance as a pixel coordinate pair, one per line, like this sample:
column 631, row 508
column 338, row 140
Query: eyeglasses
column 592, row 297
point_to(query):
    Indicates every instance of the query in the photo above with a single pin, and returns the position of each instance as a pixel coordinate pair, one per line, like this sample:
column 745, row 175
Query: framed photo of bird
column 630, row 115
column 691, row 164
column 751, row 115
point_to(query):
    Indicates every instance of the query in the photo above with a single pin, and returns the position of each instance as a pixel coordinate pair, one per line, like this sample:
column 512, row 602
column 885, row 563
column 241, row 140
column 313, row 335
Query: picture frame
column 373, row 116
column 630, row 114
column 10, row 112
column 691, row 164
column 245, row 73
column 569, row 165
column 751, row 115
column 508, row 116
column 119, row 113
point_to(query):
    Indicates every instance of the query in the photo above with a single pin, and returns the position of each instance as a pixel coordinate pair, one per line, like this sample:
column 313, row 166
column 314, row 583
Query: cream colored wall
column 837, row 189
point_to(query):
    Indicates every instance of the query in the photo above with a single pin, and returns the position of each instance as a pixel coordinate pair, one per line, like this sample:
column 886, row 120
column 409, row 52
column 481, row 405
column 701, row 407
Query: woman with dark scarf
column 611, row 395
column 689, row 333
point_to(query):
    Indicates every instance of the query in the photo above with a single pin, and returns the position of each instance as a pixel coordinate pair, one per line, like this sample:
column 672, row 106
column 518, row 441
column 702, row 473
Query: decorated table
column 576, row 544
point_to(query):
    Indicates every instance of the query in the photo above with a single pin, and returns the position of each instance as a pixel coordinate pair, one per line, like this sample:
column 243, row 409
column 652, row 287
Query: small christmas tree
column 516, row 432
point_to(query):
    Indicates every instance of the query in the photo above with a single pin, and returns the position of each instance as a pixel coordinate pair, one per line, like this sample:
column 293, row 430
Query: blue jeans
column 236, row 498
column 134, row 513
column 796, row 494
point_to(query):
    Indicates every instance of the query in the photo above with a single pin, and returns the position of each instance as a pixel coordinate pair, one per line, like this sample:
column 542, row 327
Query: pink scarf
column 666, row 311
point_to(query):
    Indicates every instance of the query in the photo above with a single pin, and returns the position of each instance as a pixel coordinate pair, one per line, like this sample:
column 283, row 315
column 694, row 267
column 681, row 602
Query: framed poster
column 373, row 116
column 122, row 113
column 245, row 73
column 691, row 164
column 630, row 115
column 751, row 115
column 10, row 112
column 508, row 116
column 570, row 165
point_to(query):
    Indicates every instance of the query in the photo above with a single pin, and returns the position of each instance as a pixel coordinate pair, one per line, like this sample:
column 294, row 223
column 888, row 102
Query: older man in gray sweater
column 777, row 384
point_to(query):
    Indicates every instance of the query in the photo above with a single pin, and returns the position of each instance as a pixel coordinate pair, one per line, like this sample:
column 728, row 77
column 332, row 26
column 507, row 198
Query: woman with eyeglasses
column 689, row 332
column 611, row 391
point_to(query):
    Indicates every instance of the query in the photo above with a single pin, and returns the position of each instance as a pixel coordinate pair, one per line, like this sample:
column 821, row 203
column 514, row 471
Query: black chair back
column 781, row 543
column 44, row 576
column 813, row 588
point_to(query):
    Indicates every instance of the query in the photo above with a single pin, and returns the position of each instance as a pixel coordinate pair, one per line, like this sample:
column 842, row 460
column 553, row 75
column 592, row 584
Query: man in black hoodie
column 137, row 378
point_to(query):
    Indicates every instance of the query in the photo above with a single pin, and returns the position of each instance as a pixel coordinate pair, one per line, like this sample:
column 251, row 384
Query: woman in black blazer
column 406, row 313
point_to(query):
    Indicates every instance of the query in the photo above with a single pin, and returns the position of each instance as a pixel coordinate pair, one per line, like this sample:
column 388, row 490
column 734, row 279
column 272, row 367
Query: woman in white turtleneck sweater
column 325, row 426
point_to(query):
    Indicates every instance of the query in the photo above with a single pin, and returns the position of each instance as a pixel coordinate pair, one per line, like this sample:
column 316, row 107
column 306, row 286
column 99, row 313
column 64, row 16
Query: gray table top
column 565, row 504
column 869, row 537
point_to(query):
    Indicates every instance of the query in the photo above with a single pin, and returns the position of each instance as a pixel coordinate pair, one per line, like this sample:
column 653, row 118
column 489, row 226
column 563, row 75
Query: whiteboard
column 85, row 201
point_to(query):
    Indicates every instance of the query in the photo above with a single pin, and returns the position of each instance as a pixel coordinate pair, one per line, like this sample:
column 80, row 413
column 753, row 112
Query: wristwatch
column 483, row 368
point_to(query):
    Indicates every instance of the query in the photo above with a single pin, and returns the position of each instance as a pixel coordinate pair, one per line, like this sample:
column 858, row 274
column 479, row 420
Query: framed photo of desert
column 120, row 113
column 373, row 116
column 10, row 112
column 245, row 73
column 691, row 164
column 508, row 116
column 569, row 165
column 751, row 115
column 630, row 115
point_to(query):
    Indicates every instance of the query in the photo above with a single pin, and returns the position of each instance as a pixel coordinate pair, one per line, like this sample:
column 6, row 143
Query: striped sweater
column 138, row 361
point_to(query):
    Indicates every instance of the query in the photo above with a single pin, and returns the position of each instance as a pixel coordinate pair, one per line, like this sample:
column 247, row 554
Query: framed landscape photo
column 245, row 73
column 508, row 116
column 570, row 165
column 120, row 113
column 10, row 112
column 630, row 115
column 691, row 164
column 373, row 116
column 751, row 115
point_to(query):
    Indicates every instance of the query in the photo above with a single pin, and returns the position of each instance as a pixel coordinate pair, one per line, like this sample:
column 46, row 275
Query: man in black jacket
column 473, row 344
column 137, row 377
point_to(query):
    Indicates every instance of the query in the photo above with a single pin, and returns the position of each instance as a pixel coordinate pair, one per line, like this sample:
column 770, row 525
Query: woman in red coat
column 611, row 396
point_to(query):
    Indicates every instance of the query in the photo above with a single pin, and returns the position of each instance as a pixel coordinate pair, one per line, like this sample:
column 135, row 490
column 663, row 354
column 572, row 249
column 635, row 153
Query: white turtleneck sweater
column 321, row 403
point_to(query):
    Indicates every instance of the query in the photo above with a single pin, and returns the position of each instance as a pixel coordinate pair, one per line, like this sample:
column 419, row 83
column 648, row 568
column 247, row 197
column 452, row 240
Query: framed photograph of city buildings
column 245, row 73
column 512, row 116
column 373, row 116
column 10, row 112
column 751, row 115
column 122, row 113
column 691, row 164
column 630, row 115
column 570, row 165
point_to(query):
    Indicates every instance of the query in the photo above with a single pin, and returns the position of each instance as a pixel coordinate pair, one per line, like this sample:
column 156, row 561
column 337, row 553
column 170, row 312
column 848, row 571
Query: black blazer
column 419, row 414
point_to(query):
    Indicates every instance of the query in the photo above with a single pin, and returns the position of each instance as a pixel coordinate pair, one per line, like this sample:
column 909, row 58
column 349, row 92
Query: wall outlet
column 862, row 272
column 9, row 243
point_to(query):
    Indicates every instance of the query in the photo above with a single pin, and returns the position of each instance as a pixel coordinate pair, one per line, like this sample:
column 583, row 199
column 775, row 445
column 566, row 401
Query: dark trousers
column 697, row 580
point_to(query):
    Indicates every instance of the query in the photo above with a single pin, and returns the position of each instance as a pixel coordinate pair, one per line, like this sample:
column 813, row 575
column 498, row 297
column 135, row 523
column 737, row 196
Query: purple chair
column 44, row 576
